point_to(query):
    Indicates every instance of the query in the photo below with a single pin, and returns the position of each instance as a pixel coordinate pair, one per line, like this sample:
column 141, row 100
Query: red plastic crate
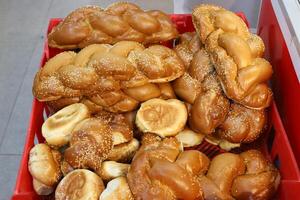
column 286, row 85
column 276, row 146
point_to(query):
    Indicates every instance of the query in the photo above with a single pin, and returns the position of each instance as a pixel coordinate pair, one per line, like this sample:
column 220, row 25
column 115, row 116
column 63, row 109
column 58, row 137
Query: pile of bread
column 125, row 108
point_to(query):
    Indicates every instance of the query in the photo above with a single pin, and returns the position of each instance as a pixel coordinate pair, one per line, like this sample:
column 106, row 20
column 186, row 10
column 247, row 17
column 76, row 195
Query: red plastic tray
column 276, row 146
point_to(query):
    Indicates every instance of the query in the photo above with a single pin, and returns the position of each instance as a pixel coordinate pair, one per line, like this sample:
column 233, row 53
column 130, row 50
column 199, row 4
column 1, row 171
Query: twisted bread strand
column 115, row 78
column 236, row 54
column 120, row 21
column 211, row 112
column 159, row 170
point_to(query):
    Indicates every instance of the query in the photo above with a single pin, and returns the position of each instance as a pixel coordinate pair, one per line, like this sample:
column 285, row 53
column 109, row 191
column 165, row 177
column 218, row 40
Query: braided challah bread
column 115, row 78
column 245, row 176
column 120, row 21
column 210, row 112
column 236, row 55
column 160, row 170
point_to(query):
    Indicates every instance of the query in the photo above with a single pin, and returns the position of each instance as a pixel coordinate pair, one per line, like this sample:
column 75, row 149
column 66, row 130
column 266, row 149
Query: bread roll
column 189, row 138
column 44, row 166
column 117, row 189
column 80, row 184
column 111, row 169
column 124, row 152
column 162, row 117
column 90, row 144
column 57, row 129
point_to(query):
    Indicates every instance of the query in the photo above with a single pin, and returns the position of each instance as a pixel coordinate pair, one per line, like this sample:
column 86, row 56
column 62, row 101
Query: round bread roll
column 111, row 169
column 57, row 129
column 41, row 189
column 44, row 166
column 117, row 189
column 80, row 184
column 124, row 152
column 90, row 144
column 189, row 138
column 162, row 117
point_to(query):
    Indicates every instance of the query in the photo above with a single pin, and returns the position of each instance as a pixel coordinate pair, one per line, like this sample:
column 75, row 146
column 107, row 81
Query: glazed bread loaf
column 115, row 78
column 44, row 166
column 210, row 111
column 120, row 21
column 236, row 54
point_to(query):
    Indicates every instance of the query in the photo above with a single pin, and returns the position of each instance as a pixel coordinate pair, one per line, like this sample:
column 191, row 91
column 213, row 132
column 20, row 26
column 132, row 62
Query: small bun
column 120, row 127
column 44, row 166
column 80, row 184
column 90, row 144
column 111, row 169
column 189, row 138
column 57, row 129
column 117, row 189
column 124, row 152
column 41, row 189
column 162, row 117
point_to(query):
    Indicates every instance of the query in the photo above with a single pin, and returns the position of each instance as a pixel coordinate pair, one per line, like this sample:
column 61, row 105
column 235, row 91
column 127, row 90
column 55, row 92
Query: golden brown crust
column 79, row 184
column 242, row 125
column 157, row 173
column 124, row 152
column 210, row 112
column 162, row 117
column 117, row 189
column 240, row 176
column 199, row 86
column 126, row 21
column 44, row 166
column 116, row 78
column 57, row 129
column 236, row 54
column 90, row 144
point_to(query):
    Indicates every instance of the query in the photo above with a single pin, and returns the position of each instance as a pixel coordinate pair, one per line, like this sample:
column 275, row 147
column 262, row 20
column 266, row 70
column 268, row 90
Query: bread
column 261, row 178
column 117, row 189
column 79, row 184
column 121, row 129
column 124, row 152
column 245, row 176
column 242, row 125
column 236, row 54
column 162, row 117
column 115, row 78
column 157, row 173
column 111, row 169
column 126, row 21
column 57, row 129
column 211, row 112
column 189, row 138
column 199, row 86
column 44, row 166
column 90, row 144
